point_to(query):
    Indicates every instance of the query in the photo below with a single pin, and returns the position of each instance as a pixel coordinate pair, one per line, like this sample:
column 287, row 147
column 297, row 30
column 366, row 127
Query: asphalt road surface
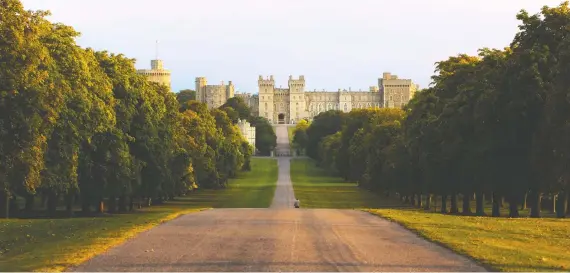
column 284, row 196
column 280, row 238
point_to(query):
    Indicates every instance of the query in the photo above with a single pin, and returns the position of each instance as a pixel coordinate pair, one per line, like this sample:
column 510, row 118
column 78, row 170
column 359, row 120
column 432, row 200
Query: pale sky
column 334, row 44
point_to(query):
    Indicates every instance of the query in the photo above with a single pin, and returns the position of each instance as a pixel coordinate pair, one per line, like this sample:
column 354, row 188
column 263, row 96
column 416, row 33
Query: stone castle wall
column 292, row 104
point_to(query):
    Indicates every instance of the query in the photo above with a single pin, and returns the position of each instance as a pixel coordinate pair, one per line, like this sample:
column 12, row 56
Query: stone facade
column 157, row 73
column 396, row 92
column 247, row 131
column 213, row 95
column 290, row 105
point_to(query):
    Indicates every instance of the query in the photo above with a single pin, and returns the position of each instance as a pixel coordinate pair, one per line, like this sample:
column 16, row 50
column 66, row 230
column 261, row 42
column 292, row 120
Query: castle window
column 345, row 107
column 266, row 106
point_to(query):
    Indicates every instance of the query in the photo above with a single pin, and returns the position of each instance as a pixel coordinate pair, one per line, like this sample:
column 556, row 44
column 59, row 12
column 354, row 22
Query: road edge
column 417, row 232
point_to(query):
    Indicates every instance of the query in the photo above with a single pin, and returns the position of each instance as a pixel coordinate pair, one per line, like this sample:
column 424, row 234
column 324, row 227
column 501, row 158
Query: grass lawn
column 504, row 244
column 56, row 244
column 318, row 188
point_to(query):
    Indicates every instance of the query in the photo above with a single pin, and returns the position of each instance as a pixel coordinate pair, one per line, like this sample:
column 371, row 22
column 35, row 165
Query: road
column 278, row 239
column 284, row 196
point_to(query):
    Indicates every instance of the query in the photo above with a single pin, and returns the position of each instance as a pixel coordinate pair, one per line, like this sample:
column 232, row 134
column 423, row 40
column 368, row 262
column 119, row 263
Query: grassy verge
column 56, row 244
column 503, row 244
column 317, row 188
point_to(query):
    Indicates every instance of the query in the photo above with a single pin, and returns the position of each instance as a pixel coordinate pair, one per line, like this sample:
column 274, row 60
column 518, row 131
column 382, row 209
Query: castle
column 157, row 73
column 213, row 95
column 290, row 105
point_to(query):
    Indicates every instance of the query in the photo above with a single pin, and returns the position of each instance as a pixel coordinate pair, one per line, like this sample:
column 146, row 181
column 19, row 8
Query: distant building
column 396, row 92
column 213, row 95
column 157, row 73
column 292, row 104
column 247, row 131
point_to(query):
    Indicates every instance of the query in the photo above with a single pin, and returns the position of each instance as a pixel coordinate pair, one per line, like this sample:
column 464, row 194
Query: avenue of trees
column 265, row 138
column 80, row 128
column 491, row 127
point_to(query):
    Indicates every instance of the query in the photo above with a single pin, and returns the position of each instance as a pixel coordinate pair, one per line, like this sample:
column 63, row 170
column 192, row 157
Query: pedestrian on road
column 297, row 203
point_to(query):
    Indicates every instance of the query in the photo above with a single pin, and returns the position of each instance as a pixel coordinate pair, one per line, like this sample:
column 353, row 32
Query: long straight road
column 279, row 239
column 284, row 195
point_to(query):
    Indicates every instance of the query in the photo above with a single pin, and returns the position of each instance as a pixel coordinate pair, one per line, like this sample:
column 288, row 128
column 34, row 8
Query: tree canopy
column 493, row 125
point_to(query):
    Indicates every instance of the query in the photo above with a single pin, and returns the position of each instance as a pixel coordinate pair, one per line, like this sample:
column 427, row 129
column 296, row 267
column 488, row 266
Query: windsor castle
column 292, row 104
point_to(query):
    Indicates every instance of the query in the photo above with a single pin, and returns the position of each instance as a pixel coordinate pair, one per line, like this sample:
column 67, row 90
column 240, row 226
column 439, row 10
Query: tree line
column 490, row 127
column 80, row 127
column 265, row 138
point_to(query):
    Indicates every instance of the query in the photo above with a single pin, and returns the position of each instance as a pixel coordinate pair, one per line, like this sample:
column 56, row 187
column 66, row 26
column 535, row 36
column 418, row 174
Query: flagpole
column 156, row 50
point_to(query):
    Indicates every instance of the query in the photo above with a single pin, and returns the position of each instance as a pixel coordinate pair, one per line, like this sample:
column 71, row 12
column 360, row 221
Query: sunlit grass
column 56, row 244
column 318, row 188
column 503, row 244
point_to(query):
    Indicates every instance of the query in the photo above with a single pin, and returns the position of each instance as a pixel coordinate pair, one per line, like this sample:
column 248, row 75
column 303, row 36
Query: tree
column 183, row 96
column 239, row 105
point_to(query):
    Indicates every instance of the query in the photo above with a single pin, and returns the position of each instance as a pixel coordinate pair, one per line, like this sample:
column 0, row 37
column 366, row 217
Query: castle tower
column 297, row 107
column 230, row 90
column 157, row 73
column 396, row 92
column 201, row 83
column 266, row 93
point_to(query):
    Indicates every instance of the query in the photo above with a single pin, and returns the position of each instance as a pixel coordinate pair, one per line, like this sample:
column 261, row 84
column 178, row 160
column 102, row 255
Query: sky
column 333, row 43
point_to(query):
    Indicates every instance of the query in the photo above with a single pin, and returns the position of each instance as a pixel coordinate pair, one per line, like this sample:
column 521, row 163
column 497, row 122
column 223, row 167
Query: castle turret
column 157, row 73
column 266, row 93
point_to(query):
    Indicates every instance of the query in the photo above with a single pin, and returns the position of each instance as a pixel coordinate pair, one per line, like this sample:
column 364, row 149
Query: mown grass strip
column 57, row 244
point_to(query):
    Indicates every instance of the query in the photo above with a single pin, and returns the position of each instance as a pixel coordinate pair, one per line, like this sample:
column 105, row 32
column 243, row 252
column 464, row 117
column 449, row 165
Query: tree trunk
column 513, row 207
column 427, row 204
column 454, row 208
column 69, row 201
column 502, row 202
column 413, row 200
column 85, row 205
column 131, row 203
column 4, row 204
column 14, row 208
column 523, row 203
column 112, row 205
column 30, row 201
column 419, row 204
column 554, row 200
column 567, row 193
column 100, row 206
column 562, row 203
column 123, row 203
column 467, row 204
column 496, row 205
column 52, row 201
column 444, row 203
column 536, row 200
column 480, row 201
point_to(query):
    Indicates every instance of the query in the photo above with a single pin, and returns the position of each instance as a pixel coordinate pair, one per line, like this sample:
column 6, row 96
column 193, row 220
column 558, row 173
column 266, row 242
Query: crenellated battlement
column 268, row 81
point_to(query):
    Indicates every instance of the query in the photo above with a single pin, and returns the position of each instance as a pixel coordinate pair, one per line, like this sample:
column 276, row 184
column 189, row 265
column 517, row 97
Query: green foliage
column 495, row 125
column 185, row 95
column 76, row 123
column 265, row 138
column 239, row 105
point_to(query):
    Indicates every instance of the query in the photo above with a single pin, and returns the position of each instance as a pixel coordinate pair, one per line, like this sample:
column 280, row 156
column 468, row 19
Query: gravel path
column 284, row 195
column 278, row 239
